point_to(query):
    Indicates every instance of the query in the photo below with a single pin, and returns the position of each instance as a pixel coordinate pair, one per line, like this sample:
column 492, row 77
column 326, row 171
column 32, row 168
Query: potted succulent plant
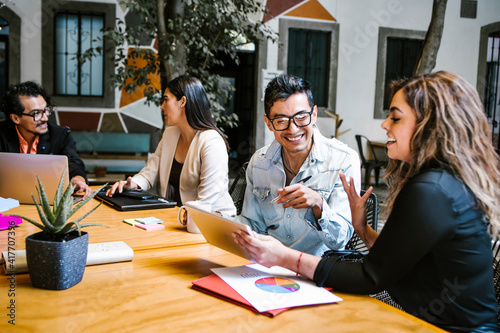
column 57, row 255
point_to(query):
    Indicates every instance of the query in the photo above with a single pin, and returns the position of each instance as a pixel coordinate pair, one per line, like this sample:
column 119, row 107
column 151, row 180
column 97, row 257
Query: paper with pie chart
column 273, row 288
column 277, row 285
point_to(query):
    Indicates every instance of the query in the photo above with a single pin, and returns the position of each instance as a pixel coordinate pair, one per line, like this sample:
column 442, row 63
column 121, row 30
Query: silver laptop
column 218, row 230
column 18, row 175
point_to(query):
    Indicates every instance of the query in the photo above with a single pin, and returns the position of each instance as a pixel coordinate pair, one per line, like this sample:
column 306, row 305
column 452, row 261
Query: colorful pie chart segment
column 277, row 285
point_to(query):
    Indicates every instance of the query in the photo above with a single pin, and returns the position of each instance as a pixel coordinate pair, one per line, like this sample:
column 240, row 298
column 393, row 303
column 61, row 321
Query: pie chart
column 277, row 285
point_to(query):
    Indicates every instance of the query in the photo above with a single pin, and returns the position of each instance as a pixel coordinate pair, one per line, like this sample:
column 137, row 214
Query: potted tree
column 57, row 255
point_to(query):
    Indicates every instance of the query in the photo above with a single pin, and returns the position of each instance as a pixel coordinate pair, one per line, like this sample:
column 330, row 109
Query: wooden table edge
column 408, row 316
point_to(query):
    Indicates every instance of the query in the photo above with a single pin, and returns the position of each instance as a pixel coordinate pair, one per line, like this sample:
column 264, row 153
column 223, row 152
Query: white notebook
column 14, row 262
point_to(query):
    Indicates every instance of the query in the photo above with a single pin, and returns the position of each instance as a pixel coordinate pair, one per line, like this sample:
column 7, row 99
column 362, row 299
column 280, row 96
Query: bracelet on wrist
column 298, row 263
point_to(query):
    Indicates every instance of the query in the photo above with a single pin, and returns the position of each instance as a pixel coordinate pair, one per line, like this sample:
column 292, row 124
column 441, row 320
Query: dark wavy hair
column 282, row 87
column 197, row 106
column 11, row 104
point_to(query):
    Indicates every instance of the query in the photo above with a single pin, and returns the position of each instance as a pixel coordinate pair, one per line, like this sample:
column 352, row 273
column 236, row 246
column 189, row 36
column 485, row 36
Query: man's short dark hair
column 282, row 87
column 10, row 102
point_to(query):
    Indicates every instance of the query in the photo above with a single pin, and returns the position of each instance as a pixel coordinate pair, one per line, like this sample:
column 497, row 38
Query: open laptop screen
column 18, row 175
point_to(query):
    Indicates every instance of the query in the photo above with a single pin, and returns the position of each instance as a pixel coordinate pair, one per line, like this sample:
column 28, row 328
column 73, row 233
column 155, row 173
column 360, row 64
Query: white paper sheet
column 8, row 203
column 273, row 288
column 15, row 262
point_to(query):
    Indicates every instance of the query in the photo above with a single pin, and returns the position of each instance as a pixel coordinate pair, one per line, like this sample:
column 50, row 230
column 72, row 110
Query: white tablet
column 218, row 230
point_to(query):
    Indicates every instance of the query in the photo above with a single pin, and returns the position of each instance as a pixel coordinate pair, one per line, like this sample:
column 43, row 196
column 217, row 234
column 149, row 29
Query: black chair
column 384, row 296
column 496, row 271
column 355, row 243
column 238, row 187
column 369, row 164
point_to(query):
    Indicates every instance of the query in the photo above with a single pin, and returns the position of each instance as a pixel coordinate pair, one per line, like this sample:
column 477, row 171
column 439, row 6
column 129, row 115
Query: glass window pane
column 85, row 79
column 85, row 32
column 309, row 58
column 97, row 25
column 491, row 88
column 3, row 67
column 402, row 56
column 97, row 67
column 60, row 54
column 60, row 33
column 72, row 34
column 75, row 33
column 297, row 52
column 71, row 76
column 96, row 77
column 60, row 82
column 319, row 66
column 66, row 74
column 4, row 26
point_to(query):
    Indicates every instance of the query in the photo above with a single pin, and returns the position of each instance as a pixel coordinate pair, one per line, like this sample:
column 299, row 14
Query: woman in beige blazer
column 191, row 160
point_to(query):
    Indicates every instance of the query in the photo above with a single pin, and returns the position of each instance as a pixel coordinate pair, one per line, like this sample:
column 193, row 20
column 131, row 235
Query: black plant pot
column 56, row 265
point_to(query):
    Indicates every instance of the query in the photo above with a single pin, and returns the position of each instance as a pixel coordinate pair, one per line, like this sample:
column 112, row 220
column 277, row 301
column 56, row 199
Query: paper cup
column 191, row 226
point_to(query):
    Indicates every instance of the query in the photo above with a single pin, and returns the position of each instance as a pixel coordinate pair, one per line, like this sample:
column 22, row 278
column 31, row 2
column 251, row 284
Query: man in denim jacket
column 301, row 168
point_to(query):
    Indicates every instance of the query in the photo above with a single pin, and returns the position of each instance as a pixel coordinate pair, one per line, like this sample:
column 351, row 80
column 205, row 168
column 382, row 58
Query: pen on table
column 302, row 181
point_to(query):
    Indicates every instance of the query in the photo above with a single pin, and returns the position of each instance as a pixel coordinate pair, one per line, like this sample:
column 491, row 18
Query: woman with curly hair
column 434, row 254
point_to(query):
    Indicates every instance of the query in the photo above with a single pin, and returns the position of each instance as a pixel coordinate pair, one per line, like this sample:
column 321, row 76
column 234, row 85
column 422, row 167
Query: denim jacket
column 298, row 228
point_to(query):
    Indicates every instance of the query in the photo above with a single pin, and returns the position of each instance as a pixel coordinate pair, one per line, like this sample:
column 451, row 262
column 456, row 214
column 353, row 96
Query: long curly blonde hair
column 452, row 130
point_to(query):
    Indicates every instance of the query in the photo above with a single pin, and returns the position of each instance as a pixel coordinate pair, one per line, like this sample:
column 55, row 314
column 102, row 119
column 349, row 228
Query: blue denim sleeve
column 250, row 214
column 334, row 227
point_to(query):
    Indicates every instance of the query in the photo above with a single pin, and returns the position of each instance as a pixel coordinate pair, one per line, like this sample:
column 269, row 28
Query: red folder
column 215, row 286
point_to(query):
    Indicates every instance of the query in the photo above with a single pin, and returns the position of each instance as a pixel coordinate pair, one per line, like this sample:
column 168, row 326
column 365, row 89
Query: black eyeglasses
column 38, row 114
column 300, row 119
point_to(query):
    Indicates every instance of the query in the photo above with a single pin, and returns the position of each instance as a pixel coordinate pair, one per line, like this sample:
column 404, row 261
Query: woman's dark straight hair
column 197, row 107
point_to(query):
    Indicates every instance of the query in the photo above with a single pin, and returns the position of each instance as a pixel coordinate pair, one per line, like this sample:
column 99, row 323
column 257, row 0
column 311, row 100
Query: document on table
column 8, row 203
column 15, row 262
column 273, row 288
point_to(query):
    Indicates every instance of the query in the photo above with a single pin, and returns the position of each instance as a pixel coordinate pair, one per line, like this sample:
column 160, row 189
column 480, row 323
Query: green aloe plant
column 55, row 220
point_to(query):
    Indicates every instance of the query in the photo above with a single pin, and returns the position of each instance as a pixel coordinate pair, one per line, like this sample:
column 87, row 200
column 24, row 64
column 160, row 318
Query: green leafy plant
column 55, row 220
column 193, row 36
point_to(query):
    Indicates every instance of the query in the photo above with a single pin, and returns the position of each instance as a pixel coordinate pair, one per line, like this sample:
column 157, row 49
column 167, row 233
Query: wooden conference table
column 153, row 292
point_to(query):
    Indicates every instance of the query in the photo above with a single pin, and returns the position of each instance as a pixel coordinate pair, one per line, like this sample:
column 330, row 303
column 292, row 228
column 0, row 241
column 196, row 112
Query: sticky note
column 150, row 227
column 149, row 220
column 130, row 221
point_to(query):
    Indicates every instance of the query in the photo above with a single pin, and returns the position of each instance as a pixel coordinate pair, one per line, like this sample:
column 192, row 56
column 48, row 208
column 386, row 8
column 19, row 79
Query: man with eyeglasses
column 294, row 192
column 26, row 130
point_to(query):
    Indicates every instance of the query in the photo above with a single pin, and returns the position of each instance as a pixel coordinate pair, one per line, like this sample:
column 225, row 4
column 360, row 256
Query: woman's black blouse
column 174, row 181
column 433, row 256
